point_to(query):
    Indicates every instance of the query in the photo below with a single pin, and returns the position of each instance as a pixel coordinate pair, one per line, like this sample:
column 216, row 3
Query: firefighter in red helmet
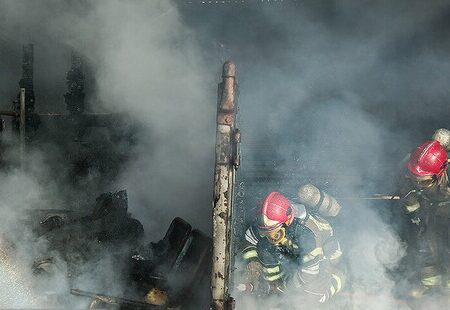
column 291, row 247
column 425, row 196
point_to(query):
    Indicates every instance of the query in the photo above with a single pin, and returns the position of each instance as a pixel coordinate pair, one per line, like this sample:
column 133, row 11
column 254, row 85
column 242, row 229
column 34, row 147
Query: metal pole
column 223, row 188
column 374, row 197
column 22, row 126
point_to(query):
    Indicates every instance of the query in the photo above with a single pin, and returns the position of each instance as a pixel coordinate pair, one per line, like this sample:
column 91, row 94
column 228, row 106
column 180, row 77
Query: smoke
column 19, row 247
column 336, row 92
column 146, row 64
column 341, row 152
column 347, row 148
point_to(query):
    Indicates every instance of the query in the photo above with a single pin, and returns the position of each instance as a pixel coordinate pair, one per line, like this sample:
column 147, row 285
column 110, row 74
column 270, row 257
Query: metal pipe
column 374, row 197
column 223, row 188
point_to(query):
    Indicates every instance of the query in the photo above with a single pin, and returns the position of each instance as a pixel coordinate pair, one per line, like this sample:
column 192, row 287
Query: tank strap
column 322, row 197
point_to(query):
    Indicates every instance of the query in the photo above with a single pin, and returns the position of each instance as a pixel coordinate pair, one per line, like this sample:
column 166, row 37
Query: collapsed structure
column 173, row 272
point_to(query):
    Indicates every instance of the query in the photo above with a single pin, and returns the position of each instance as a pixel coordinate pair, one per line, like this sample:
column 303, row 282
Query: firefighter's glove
column 418, row 218
column 277, row 287
column 253, row 275
column 245, row 287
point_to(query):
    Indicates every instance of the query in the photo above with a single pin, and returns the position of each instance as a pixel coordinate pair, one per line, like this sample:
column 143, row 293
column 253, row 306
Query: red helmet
column 276, row 210
column 430, row 158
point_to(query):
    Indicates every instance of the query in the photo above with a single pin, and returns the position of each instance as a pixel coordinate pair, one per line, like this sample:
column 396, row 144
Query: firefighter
column 426, row 199
column 291, row 248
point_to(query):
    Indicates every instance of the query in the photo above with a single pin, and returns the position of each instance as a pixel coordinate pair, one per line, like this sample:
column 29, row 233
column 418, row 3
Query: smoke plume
column 331, row 92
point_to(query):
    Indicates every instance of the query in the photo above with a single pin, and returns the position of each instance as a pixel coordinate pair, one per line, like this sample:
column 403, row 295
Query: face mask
column 275, row 236
column 424, row 182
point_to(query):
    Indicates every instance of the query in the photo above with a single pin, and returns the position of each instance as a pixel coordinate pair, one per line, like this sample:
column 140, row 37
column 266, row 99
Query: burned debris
column 108, row 221
column 87, row 151
column 85, row 142
column 175, row 266
column 170, row 272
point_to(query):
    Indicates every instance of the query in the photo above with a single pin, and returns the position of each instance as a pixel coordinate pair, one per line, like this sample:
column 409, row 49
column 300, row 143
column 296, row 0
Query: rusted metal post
column 22, row 126
column 225, row 169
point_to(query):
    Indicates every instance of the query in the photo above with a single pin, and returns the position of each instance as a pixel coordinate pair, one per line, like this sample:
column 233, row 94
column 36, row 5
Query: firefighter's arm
column 315, row 281
column 252, row 277
column 249, row 252
column 409, row 198
column 271, row 267
column 253, row 265
column 317, row 275
column 412, row 207
column 410, row 202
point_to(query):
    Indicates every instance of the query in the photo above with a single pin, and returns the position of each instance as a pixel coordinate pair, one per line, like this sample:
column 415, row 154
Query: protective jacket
column 303, row 259
column 425, row 197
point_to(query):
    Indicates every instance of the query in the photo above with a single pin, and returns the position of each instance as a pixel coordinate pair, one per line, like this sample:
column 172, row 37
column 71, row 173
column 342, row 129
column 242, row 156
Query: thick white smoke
column 340, row 87
column 341, row 143
column 146, row 65
column 18, row 246
column 342, row 84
